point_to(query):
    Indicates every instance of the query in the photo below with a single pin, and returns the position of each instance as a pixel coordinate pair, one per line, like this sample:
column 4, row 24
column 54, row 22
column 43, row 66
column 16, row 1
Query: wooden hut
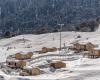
column 90, row 46
column 23, row 56
column 29, row 55
column 83, row 46
column 52, row 49
column 45, row 49
column 15, row 63
column 58, row 65
column 18, row 56
column 30, row 72
column 95, row 53
column 76, row 46
column 35, row 71
column 80, row 46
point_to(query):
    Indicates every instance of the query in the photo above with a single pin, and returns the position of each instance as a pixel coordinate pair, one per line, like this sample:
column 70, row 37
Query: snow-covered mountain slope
column 48, row 40
column 32, row 43
column 37, row 41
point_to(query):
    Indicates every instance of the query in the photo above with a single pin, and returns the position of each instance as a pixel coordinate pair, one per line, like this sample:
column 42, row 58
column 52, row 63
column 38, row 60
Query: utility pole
column 0, row 11
column 23, row 40
column 61, row 25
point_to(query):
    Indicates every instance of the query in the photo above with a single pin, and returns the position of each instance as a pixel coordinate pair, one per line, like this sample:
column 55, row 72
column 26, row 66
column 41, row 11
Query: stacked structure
column 93, row 49
column 19, row 61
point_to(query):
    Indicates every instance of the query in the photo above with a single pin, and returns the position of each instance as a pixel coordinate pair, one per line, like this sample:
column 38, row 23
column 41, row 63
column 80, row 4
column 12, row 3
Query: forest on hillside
column 40, row 16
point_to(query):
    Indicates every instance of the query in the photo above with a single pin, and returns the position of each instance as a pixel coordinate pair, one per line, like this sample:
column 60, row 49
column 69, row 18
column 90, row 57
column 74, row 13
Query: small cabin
column 30, row 72
column 76, row 45
column 45, row 49
column 80, row 46
column 15, row 63
column 90, row 46
column 83, row 46
column 58, row 65
column 35, row 71
column 95, row 53
column 52, row 49
column 23, row 56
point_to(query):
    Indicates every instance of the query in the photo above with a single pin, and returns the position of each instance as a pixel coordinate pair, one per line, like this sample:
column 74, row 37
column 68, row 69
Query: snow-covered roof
column 12, row 60
column 83, row 43
column 98, row 48
column 24, row 52
column 28, row 67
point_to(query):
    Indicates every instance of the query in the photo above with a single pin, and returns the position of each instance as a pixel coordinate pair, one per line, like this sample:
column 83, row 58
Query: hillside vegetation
column 28, row 16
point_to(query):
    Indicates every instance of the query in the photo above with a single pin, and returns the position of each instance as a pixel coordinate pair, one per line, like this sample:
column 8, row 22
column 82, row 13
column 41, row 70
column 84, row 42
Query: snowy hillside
column 82, row 69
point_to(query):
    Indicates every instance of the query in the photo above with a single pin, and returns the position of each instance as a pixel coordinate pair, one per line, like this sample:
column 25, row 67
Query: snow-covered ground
column 81, row 69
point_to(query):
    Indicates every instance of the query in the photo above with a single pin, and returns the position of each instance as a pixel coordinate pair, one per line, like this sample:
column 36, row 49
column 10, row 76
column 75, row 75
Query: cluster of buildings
column 90, row 49
column 20, row 61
